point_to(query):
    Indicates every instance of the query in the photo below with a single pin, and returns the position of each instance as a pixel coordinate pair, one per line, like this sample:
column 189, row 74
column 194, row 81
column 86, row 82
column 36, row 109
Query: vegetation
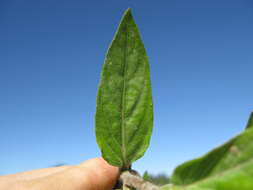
column 124, row 115
column 159, row 179
column 124, row 122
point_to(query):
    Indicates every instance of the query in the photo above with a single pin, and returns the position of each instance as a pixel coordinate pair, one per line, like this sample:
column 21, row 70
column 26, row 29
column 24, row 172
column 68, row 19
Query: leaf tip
column 128, row 12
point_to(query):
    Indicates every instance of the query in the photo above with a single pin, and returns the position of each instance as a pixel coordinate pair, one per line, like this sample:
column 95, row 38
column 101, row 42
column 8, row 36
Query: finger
column 100, row 174
column 94, row 174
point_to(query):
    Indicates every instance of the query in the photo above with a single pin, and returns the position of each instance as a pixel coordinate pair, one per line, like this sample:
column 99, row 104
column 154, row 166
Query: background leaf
column 124, row 114
column 228, row 167
column 237, row 178
column 230, row 155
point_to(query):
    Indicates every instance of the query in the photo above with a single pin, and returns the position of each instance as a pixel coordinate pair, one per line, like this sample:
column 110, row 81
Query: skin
column 94, row 174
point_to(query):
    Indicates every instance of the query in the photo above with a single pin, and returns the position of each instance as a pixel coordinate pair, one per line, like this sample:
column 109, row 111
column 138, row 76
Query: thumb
column 99, row 174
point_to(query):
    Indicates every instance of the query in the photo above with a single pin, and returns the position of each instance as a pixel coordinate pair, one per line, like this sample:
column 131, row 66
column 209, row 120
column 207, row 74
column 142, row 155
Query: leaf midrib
column 123, row 101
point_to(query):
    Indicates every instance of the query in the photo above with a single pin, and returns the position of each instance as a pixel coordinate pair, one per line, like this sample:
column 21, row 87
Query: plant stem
column 132, row 180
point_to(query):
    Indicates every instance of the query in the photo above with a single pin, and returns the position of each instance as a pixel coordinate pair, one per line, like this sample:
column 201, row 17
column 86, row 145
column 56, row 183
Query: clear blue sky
column 51, row 55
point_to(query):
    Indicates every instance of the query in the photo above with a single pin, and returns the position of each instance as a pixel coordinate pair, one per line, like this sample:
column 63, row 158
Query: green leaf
column 228, row 167
column 124, row 114
column 250, row 121
column 237, row 178
column 232, row 154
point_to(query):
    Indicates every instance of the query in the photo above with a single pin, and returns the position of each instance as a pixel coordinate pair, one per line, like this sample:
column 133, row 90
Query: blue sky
column 51, row 55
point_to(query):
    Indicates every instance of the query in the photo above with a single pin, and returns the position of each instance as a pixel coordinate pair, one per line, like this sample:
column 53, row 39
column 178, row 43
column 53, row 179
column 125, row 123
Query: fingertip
column 100, row 174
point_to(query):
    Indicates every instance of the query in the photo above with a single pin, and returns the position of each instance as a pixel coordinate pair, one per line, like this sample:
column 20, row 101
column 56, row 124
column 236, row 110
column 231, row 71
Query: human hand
column 94, row 174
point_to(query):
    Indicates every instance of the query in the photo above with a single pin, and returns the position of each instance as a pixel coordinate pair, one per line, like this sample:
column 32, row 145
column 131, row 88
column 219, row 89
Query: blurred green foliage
column 159, row 179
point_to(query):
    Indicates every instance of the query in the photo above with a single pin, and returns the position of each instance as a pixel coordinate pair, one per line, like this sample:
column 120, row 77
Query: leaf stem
column 132, row 180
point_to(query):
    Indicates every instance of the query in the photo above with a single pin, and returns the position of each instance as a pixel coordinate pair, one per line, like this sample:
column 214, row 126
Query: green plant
column 124, row 115
column 124, row 121
column 159, row 179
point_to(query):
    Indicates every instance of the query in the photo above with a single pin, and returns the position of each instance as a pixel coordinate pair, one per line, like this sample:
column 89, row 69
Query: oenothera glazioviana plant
column 124, row 122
